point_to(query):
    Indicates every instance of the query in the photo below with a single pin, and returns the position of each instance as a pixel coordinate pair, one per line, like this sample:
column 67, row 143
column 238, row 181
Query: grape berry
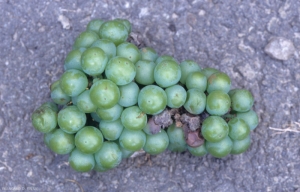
column 115, row 98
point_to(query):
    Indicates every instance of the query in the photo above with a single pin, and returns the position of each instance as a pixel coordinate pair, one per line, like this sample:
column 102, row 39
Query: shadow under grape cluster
column 115, row 98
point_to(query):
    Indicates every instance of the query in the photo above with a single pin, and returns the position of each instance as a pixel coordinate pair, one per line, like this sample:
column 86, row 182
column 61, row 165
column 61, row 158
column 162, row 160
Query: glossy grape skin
column 240, row 146
column 107, row 46
column 250, row 117
column 84, row 102
column 133, row 118
column 145, row 72
column 73, row 59
column 125, row 153
column 218, row 81
column 152, row 99
column 94, row 61
column 165, row 57
column 85, row 39
column 73, row 82
column 197, row 151
column 99, row 168
column 51, row 104
column 71, row 119
column 44, row 119
column 214, row 129
column 111, row 130
column 126, row 23
column 238, row 129
column 94, row 25
column 114, row 31
column 196, row 80
column 217, row 103
column 129, row 94
column 60, row 142
column 95, row 117
column 81, row 162
column 177, row 141
column 129, row 51
column 241, row 100
column 219, row 149
column 89, row 139
column 57, row 95
column 148, row 54
column 176, row 96
column 187, row 67
column 110, row 114
column 132, row 140
column 120, row 70
column 208, row 71
column 109, row 156
column 195, row 101
column 156, row 144
column 104, row 94
column 167, row 73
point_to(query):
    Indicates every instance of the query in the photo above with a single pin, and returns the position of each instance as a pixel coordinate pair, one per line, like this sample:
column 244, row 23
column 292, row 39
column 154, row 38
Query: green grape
column 71, row 119
column 145, row 72
column 198, row 151
column 120, row 70
column 109, row 156
column 250, row 117
column 81, row 162
column 149, row 54
column 132, row 140
column 152, row 99
column 94, row 61
column 74, row 100
column 240, row 146
column 60, row 142
column 114, row 31
column 73, row 82
column 187, row 67
column 110, row 114
column 125, row 153
column 89, row 139
column 84, row 102
column 47, row 137
column 94, row 25
column 214, row 129
column 217, row 103
column 107, row 46
column 238, row 129
column 85, row 39
column 218, row 81
column 219, row 149
column 73, row 59
column 156, row 144
column 195, row 101
column 164, row 57
column 111, row 130
column 177, row 141
column 133, row 118
column 44, row 119
column 52, row 105
column 99, row 168
column 95, row 117
column 241, row 100
column 176, row 96
column 196, row 80
column 57, row 94
column 129, row 51
column 209, row 71
column 129, row 94
column 104, row 94
column 167, row 73
column 126, row 23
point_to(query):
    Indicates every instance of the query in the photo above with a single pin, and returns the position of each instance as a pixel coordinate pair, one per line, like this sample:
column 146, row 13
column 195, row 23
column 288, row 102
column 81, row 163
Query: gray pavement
column 231, row 35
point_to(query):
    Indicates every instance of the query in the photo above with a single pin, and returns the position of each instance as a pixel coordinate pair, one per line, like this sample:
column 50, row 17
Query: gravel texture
column 230, row 35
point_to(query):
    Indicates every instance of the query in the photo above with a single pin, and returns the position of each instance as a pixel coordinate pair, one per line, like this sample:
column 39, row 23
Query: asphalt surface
column 35, row 37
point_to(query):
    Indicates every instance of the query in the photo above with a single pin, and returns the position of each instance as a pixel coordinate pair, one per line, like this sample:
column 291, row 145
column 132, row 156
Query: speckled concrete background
column 230, row 35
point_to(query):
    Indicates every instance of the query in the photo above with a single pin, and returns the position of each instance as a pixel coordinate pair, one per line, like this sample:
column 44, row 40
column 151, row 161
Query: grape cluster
column 107, row 103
